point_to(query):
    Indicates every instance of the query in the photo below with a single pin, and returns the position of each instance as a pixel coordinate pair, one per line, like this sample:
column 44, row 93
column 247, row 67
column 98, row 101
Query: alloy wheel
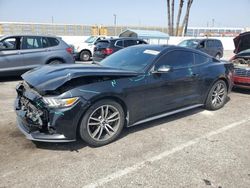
column 218, row 95
column 104, row 122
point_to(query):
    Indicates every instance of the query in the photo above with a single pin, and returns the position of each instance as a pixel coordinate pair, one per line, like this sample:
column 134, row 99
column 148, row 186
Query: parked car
column 85, row 50
column 19, row 53
column 133, row 86
column 212, row 47
column 241, row 61
column 107, row 47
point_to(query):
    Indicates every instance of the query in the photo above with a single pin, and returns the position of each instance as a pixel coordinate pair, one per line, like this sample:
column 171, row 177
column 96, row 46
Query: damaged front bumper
column 39, row 123
column 37, row 135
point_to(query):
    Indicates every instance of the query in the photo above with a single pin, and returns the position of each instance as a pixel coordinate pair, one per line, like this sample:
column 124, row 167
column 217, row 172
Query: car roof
column 32, row 35
column 202, row 39
column 120, row 38
column 164, row 48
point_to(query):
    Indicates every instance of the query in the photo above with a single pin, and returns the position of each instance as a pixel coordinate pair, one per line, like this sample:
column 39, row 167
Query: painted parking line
column 6, row 112
column 137, row 166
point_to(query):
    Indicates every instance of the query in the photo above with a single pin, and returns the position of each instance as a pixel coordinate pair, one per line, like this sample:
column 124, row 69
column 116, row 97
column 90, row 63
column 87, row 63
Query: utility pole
column 52, row 19
column 115, row 23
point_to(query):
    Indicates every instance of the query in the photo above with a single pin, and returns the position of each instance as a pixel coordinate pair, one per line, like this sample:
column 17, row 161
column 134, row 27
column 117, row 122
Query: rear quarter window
column 201, row 59
column 52, row 41
column 102, row 44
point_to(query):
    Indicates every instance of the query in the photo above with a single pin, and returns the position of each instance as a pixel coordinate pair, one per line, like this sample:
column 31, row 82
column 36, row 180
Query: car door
column 33, row 51
column 174, row 89
column 10, row 57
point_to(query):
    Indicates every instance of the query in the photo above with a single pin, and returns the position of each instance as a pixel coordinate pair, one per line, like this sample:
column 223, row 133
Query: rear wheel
column 102, row 123
column 217, row 96
column 54, row 62
column 85, row 56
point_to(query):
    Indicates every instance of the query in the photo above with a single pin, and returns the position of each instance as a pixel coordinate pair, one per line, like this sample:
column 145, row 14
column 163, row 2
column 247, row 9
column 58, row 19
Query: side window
column 200, row 59
column 218, row 43
column 129, row 43
column 45, row 43
column 202, row 44
column 177, row 59
column 9, row 44
column 119, row 43
column 32, row 42
column 210, row 43
column 52, row 41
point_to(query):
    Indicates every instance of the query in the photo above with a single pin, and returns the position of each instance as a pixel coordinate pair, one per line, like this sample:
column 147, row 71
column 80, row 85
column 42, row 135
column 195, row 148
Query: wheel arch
column 86, row 50
column 220, row 78
column 114, row 98
column 55, row 58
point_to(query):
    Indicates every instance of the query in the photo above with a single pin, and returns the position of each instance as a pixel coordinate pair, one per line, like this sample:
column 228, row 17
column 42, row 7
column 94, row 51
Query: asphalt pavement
column 197, row 148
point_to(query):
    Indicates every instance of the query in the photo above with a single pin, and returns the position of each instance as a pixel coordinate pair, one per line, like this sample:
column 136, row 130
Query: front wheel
column 102, row 123
column 85, row 56
column 217, row 96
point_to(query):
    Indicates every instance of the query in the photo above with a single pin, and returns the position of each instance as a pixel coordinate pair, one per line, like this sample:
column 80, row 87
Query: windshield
column 91, row 39
column 189, row 43
column 132, row 58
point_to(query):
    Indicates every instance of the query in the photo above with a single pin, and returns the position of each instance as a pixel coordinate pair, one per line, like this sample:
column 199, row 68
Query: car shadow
column 67, row 146
column 79, row 144
column 154, row 123
column 241, row 90
column 10, row 78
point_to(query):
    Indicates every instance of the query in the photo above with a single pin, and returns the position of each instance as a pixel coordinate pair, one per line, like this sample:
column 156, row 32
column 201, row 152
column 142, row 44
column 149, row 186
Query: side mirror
column 162, row 69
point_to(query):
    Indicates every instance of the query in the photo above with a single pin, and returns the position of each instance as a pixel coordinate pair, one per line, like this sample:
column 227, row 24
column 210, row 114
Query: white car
column 84, row 50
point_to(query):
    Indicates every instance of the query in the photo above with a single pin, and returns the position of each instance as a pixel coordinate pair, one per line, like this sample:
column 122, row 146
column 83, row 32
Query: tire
column 85, row 56
column 217, row 56
column 55, row 62
column 217, row 96
column 95, row 128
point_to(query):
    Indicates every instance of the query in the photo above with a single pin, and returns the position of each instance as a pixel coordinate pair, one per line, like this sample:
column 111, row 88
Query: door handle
column 194, row 75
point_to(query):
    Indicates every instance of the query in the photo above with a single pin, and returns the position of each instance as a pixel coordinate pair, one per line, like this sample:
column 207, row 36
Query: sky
column 225, row 13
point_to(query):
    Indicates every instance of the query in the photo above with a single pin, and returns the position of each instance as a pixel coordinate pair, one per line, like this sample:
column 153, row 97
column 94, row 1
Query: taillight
column 69, row 50
column 107, row 51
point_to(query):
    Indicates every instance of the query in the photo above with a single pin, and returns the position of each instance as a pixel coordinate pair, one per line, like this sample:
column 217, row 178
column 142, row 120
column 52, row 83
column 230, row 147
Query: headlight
column 59, row 103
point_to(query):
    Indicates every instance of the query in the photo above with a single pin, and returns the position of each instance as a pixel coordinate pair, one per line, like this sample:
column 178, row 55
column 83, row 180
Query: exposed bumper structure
column 39, row 136
column 39, row 123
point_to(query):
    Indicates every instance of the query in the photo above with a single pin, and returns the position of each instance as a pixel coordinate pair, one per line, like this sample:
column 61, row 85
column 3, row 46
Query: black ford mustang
column 135, row 85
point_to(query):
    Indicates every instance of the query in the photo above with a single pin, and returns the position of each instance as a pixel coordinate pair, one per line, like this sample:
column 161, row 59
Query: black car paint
column 141, row 94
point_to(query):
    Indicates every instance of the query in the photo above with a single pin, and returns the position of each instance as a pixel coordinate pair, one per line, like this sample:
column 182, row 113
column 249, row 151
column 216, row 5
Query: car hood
column 51, row 77
column 242, row 42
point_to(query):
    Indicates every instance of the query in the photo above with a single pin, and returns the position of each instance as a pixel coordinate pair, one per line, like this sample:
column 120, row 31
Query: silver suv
column 19, row 53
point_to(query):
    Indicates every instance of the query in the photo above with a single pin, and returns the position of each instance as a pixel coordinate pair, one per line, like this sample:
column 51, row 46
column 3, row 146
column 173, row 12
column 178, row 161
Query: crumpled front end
column 40, row 123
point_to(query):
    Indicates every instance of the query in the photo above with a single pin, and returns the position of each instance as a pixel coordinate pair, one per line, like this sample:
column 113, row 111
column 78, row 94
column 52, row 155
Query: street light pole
column 115, row 23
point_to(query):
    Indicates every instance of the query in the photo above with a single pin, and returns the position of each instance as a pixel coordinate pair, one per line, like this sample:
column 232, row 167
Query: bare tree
column 172, row 18
column 169, row 20
column 179, row 17
column 186, row 18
